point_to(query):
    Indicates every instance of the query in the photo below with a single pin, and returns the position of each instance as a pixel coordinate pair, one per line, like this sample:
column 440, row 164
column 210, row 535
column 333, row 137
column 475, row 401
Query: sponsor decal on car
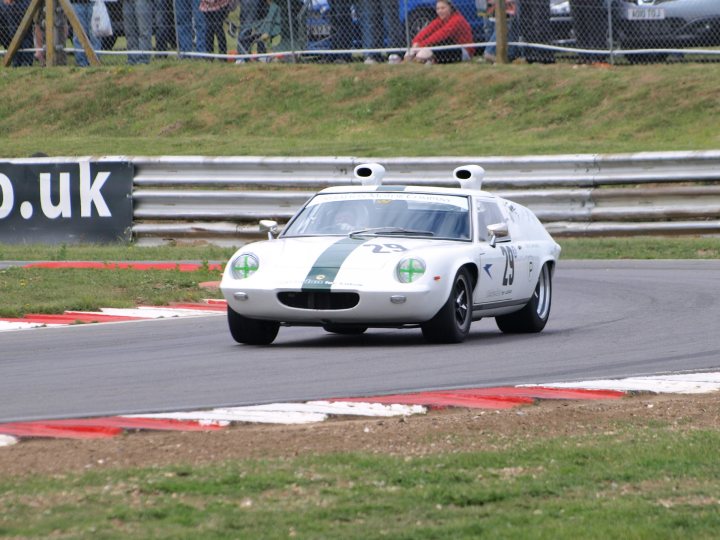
column 322, row 274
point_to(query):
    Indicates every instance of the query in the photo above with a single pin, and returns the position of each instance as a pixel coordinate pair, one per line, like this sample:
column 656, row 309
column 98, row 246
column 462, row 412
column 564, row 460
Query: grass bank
column 648, row 482
column 212, row 108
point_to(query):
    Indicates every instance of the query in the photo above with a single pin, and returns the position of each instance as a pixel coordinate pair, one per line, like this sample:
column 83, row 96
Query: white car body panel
column 504, row 274
column 368, row 270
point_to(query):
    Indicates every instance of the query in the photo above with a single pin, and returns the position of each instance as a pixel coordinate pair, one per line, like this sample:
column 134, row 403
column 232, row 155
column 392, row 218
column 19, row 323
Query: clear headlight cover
column 245, row 265
column 410, row 270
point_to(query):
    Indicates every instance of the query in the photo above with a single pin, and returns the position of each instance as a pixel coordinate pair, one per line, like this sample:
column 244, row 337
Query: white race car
column 390, row 256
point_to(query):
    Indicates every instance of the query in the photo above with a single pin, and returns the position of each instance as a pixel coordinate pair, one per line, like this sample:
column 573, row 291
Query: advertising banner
column 72, row 201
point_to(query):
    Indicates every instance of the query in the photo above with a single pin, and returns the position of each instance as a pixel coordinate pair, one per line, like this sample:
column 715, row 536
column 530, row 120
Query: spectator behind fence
column 379, row 20
column 189, row 26
column 250, row 12
column 261, row 32
column 164, row 25
column 11, row 13
column 448, row 28
column 39, row 34
column 199, row 27
column 138, row 25
column 511, row 10
column 83, row 11
column 342, row 28
column 215, row 11
column 590, row 21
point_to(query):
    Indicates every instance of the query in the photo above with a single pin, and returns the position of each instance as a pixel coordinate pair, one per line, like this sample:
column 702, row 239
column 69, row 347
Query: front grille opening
column 319, row 299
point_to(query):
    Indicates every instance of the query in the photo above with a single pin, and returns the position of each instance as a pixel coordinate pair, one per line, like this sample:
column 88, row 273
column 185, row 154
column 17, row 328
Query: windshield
column 384, row 214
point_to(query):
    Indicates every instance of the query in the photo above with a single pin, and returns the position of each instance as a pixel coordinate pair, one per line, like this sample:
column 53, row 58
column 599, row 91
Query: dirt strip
column 445, row 430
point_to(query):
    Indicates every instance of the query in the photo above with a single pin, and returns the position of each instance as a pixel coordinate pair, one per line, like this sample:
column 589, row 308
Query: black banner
column 65, row 202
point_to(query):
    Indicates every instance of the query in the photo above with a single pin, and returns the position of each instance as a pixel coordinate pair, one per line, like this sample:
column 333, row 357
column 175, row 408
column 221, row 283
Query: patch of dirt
column 445, row 430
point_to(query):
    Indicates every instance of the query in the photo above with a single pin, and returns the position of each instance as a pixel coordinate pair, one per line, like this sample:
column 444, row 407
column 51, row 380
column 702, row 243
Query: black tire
column 345, row 330
column 419, row 19
column 534, row 316
column 452, row 323
column 251, row 331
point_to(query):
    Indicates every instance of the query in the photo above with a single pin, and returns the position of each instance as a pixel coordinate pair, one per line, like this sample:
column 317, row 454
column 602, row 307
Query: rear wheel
column 345, row 330
column 251, row 331
column 452, row 323
column 533, row 317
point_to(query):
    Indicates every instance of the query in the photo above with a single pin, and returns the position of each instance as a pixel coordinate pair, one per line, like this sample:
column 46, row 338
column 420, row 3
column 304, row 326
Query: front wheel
column 534, row 316
column 452, row 323
column 251, row 331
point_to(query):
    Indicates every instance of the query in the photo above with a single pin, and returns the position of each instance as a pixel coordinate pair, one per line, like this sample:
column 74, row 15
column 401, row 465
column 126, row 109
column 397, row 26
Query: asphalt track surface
column 609, row 319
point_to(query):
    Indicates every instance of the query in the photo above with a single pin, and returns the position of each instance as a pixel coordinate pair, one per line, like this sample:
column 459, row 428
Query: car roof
column 408, row 189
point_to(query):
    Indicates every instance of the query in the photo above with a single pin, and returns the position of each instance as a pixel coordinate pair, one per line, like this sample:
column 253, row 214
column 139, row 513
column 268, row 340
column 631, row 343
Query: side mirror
column 270, row 226
column 498, row 232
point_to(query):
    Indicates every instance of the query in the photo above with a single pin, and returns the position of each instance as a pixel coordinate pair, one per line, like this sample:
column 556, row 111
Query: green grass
column 216, row 109
column 112, row 252
column 641, row 247
column 632, row 247
column 42, row 290
column 649, row 483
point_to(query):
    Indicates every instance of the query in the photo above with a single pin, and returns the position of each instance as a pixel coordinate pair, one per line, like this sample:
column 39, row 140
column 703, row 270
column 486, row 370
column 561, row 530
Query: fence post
column 501, row 32
column 611, row 43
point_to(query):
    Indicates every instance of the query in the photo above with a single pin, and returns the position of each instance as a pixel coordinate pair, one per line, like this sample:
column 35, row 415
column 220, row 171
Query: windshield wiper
column 389, row 231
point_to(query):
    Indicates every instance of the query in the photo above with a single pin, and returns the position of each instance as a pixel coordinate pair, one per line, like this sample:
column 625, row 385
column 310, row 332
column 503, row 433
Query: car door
column 496, row 262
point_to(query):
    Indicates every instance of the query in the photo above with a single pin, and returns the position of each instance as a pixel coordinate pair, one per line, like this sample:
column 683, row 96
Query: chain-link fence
column 614, row 31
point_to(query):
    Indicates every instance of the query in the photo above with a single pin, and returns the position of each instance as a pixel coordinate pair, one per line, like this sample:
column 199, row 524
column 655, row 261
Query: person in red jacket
column 449, row 28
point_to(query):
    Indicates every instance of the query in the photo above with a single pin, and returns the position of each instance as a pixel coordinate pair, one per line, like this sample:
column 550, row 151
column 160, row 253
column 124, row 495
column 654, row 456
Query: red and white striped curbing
column 38, row 320
column 677, row 383
column 93, row 265
column 378, row 406
column 7, row 440
column 292, row 413
column 106, row 315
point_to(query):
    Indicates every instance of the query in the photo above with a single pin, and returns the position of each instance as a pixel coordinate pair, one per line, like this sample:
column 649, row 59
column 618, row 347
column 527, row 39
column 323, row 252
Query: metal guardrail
column 220, row 200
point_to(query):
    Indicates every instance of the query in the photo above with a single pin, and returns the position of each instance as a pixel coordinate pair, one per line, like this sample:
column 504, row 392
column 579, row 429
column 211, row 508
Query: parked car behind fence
column 666, row 24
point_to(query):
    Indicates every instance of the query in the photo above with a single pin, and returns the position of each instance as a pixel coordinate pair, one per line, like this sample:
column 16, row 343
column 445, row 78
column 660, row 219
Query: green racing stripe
column 327, row 265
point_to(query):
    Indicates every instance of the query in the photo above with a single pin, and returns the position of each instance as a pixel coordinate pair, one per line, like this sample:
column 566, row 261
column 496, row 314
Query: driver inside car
column 350, row 217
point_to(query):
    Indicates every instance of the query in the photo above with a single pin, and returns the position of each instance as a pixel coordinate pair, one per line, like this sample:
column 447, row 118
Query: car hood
column 323, row 261
column 348, row 252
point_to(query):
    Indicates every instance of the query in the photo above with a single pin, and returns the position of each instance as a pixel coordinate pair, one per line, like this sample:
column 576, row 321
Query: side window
column 488, row 213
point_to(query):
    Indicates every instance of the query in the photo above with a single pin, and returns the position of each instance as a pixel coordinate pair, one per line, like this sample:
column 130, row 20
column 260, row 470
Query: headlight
column 245, row 266
column 409, row 270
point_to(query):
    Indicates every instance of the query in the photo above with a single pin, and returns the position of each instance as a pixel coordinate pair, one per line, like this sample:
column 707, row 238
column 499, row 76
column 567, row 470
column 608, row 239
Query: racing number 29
column 509, row 274
column 386, row 248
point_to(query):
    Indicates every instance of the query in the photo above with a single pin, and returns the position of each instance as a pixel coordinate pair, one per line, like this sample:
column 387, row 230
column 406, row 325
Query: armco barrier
column 221, row 199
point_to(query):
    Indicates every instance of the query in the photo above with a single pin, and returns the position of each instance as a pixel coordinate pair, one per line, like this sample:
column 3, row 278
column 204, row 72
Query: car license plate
column 320, row 30
column 646, row 14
